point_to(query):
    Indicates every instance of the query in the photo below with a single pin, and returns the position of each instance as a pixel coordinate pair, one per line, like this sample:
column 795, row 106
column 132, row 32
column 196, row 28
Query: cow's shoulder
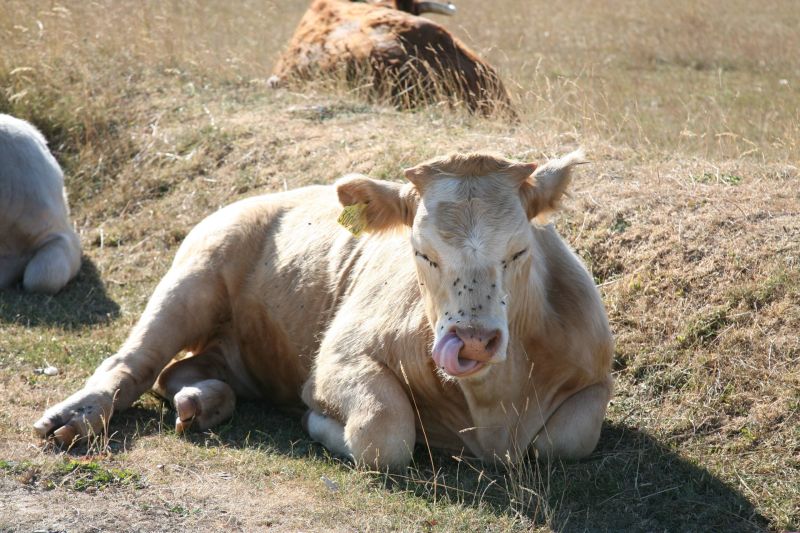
column 381, row 307
column 578, row 316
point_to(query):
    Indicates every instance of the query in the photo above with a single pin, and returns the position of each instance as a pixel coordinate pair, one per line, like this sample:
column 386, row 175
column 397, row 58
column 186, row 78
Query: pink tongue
column 445, row 355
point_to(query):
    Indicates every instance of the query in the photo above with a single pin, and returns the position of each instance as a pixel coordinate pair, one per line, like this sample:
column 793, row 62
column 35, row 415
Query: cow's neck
column 506, row 392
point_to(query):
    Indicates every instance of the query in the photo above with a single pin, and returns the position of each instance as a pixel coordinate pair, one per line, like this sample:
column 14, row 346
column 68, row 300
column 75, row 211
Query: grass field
column 688, row 217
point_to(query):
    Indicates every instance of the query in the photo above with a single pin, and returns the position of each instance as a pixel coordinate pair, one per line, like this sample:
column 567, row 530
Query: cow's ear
column 520, row 172
column 383, row 204
column 542, row 192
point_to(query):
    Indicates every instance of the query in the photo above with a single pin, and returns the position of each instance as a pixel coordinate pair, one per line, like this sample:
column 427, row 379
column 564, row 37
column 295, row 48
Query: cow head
column 415, row 7
column 473, row 244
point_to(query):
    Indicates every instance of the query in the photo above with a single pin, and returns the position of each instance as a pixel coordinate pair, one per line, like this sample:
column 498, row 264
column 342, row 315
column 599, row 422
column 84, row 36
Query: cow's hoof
column 82, row 414
column 274, row 82
column 203, row 405
column 187, row 409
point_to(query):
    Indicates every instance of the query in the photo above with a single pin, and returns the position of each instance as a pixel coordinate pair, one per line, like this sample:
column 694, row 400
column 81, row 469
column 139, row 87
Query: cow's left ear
column 386, row 205
column 542, row 192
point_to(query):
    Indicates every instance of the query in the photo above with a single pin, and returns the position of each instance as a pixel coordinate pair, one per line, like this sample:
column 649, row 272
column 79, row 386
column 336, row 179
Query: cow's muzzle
column 463, row 351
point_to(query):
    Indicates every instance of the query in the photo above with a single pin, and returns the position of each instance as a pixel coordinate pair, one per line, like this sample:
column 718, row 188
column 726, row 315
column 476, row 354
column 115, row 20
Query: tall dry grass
column 80, row 70
column 712, row 78
column 715, row 78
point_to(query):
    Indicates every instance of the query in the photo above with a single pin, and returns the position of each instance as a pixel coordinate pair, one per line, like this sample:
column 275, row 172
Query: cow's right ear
column 387, row 204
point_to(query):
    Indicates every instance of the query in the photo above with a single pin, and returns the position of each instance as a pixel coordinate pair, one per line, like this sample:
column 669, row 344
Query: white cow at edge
column 37, row 243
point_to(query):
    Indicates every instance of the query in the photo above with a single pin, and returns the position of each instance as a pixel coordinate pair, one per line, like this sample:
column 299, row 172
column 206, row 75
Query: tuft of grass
column 620, row 223
column 87, row 474
column 763, row 292
column 725, row 179
column 15, row 467
column 704, row 328
column 75, row 474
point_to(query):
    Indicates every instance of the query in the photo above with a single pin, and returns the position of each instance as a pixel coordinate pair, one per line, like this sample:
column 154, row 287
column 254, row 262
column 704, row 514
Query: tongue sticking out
column 445, row 355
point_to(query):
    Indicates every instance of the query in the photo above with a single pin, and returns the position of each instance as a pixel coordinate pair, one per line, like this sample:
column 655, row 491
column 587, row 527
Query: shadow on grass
column 82, row 302
column 630, row 483
column 633, row 482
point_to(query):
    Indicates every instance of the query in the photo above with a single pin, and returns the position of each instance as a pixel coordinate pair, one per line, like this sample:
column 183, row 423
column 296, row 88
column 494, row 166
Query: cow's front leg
column 201, row 387
column 573, row 430
column 360, row 411
column 181, row 312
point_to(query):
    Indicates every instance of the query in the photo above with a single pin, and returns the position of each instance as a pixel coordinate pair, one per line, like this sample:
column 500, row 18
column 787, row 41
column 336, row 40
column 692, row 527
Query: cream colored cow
column 455, row 315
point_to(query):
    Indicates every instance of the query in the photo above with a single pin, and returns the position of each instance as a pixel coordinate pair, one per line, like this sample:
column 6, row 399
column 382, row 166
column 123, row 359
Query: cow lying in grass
column 37, row 243
column 408, row 58
column 455, row 315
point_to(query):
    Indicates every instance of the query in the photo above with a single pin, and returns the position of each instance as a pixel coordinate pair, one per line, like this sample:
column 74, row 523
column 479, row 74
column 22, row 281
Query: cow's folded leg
column 369, row 417
column 53, row 265
column 198, row 388
column 327, row 431
column 182, row 310
column 203, row 405
column 573, row 430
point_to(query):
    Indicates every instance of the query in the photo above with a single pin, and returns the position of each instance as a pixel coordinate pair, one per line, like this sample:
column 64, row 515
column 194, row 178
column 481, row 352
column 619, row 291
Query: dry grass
column 689, row 219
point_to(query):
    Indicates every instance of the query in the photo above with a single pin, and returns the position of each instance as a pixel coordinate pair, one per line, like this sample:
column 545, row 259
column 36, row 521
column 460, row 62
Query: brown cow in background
column 408, row 58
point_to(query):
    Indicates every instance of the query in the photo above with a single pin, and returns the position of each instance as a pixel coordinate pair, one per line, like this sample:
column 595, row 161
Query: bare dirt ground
column 688, row 217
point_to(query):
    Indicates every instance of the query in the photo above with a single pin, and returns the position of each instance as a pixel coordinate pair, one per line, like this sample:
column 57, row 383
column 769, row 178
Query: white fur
column 329, row 432
column 37, row 243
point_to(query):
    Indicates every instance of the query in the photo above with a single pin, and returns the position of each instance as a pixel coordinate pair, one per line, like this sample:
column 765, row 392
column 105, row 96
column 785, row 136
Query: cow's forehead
column 459, row 201
column 477, row 213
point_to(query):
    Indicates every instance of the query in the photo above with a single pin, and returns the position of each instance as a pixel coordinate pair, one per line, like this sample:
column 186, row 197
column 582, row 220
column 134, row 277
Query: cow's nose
column 479, row 344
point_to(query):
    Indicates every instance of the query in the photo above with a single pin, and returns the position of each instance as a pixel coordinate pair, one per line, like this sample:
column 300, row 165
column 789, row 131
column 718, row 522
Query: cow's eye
column 518, row 254
column 513, row 258
column 427, row 259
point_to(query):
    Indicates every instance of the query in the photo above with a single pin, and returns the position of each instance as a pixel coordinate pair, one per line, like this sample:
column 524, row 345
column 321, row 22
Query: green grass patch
column 83, row 475
column 15, row 467
column 765, row 291
column 620, row 224
column 704, row 328
column 725, row 179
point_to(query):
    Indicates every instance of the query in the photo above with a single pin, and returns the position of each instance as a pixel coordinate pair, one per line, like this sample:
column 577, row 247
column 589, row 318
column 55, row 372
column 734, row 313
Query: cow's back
column 287, row 266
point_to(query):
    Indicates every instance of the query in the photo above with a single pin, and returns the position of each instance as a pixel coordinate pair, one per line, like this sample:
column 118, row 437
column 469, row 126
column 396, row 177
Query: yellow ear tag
column 354, row 218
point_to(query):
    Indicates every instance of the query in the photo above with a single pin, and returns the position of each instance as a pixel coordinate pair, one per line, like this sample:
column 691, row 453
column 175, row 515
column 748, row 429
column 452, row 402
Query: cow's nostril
column 479, row 343
column 494, row 341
